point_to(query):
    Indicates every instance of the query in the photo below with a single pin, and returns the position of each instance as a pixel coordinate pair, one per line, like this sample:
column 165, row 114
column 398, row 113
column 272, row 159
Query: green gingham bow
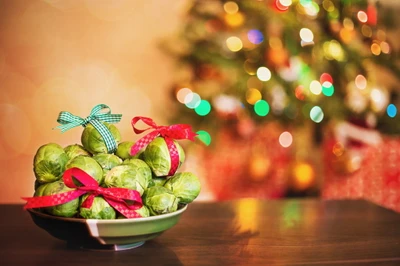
column 68, row 121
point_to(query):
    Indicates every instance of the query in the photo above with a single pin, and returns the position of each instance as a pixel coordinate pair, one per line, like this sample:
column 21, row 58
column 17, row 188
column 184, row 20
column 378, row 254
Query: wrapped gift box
column 364, row 171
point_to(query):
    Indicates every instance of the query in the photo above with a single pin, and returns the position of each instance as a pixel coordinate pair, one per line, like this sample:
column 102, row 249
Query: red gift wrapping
column 376, row 180
column 241, row 167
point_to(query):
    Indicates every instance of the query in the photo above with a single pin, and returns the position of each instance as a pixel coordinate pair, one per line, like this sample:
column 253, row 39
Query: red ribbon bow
column 169, row 133
column 124, row 200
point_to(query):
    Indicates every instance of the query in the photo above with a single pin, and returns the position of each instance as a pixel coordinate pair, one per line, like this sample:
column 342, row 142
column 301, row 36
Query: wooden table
column 242, row 232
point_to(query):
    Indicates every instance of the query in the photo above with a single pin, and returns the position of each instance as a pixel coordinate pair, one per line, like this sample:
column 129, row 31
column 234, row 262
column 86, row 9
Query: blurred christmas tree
column 288, row 61
column 301, row 63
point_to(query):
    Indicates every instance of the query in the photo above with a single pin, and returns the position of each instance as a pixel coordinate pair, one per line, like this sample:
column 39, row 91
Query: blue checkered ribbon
column 98, row 115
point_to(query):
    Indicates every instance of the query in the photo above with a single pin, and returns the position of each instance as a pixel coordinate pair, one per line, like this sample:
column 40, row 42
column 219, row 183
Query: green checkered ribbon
column 97, row 115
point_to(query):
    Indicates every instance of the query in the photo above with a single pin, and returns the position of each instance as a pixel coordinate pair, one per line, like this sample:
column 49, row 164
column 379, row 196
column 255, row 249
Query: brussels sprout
column 185, row 186
column 93, row 142
column 49, row 163
column 107, row 161
column 39, row 190
column 157, row 156
column 100, row 209
column 160, row 200
column 124, row 150
column 127, row 176
column 157, row 181
column 68, row 209
column 89, row 165
column 140, row 166
column 74, row 150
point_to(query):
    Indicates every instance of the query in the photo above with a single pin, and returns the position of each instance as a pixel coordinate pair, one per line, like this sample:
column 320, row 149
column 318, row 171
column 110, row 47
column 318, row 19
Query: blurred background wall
column 61, row 55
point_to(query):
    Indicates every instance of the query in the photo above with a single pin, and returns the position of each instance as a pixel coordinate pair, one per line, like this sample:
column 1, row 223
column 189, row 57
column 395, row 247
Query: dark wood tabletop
column 241, row 232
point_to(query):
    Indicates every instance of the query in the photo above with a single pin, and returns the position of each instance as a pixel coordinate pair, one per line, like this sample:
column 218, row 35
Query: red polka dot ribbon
column 124, row 200
column 169, row 133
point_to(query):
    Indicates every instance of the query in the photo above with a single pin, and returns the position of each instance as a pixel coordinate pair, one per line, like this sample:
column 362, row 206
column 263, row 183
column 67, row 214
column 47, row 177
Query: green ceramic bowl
column 118, row 234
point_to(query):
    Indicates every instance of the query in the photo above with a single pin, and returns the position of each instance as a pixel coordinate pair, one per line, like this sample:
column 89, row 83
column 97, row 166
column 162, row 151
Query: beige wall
column 71, row 55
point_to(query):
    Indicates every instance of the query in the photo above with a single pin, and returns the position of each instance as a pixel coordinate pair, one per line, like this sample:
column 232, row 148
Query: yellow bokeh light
column 250, row 67
column 234, row 20
column 263, row 74
column 304, row 175
column 366, row 31
column 348, row 24
column 375, row 49
column 231, row 7
column 182, row 93
column 253, row 95
column 234, row 44
column 362, row 16
column 328, row 5
column 361, row 82
column 315, row 87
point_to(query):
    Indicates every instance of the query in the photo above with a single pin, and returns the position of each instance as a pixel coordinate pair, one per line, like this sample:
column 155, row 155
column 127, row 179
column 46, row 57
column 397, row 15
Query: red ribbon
column 124, row 200
column 169, row 133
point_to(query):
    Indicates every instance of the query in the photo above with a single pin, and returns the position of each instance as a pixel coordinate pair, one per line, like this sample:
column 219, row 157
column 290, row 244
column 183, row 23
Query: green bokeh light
column 204, row 136
column 204, row 108
column 261, row 108
column 328, row 90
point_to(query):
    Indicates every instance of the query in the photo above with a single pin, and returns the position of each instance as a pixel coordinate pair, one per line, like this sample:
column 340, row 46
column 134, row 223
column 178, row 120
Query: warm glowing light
column 348, row 24
column 253, row 96
column 366, row 31
column 182, row 93
column 325, row 77
column 315, row 87
column 362, row 16
column 231, row 7
column 263, row 73
column 304, row 175
column 285, row 2
column 285, row 139
column 250, row 67
column 234, row 44
column 299, row 92
column 280, row 6
column 275, row 43
column 234, row 20
column 247, row 219
column 316, row 114
column 361, row 82
column 328, row 5
column 385, row 47
column 375, row 49
column 306, row 35
column 338, row 149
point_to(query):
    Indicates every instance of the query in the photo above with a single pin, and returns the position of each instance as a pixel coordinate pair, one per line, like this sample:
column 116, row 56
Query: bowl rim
column 110, row 221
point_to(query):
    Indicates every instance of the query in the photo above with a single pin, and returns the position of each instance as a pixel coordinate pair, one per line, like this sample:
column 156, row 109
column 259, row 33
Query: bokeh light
column 316, row 114
column 328, row 5
column 299, row 92
column 253, row 95
column 325, row 77
column 231, row 7
column 261, row 108
column 192, row 100
column 306, row 35
column 234, row 43
column 203, row 108
column 285, row 139
column 204, row 136
column 234, row 20
column 304, row 175
column 255, row 36
column 182, row 93
column 391, row 110
column 362, row 16
column 263, row 73
column 315, row 87
column 375, row 49
column 361, row 82
column 328, row 89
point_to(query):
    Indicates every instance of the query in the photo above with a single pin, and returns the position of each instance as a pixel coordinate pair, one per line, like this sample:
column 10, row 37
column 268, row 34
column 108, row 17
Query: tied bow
column 169, row 133
column 124, row 200
column 68, row 121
